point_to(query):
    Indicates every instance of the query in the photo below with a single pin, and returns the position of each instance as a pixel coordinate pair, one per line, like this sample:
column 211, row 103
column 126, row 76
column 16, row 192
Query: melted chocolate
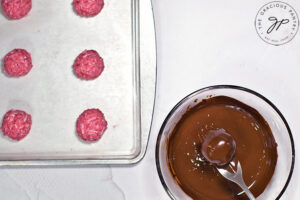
column 253, row 145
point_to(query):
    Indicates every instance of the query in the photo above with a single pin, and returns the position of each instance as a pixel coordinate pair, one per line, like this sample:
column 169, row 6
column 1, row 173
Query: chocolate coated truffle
column 218, row 147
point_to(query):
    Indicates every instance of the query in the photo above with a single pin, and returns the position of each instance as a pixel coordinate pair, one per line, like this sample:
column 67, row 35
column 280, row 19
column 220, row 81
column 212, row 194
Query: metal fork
column 237, row 177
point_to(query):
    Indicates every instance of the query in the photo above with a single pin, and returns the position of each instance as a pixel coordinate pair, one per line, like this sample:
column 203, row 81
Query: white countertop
column 193, row 40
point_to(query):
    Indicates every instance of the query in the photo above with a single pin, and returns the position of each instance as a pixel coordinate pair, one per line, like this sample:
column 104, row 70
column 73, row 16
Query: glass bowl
column 276, row 121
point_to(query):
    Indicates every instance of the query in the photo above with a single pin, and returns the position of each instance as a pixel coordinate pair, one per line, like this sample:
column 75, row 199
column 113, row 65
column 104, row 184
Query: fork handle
column 248, row 192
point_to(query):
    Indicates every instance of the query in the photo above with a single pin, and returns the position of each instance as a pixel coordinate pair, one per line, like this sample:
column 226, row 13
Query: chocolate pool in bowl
column 214, row 126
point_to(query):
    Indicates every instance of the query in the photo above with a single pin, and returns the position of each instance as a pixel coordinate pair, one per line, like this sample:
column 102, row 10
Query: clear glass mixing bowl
column 276, row 121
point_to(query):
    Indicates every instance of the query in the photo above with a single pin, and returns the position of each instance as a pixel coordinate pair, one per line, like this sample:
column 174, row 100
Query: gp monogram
column 277, row 23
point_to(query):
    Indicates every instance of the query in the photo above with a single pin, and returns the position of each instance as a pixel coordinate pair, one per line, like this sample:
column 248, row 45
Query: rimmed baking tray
column 123, row 34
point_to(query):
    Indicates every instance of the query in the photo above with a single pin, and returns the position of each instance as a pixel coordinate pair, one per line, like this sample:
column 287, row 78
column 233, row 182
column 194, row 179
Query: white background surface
column 200, row 43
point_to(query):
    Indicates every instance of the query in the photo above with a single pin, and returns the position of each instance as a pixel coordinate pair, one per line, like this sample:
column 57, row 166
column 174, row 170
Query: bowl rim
column 235, row 87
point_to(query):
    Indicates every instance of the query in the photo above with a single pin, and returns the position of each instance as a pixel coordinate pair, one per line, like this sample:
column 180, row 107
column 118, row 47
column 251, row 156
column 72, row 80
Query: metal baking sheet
column 55, row 97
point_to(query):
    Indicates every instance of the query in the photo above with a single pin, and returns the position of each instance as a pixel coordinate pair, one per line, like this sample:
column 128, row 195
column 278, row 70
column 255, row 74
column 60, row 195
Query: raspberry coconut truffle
column 88, row 65
column 16, row 9
column 16, row 124
column 91, row 125
column 17, row 63
column 88, row 8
